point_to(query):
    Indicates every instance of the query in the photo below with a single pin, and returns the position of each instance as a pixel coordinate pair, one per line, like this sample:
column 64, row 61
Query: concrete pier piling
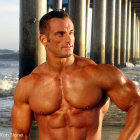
column 78, row 15
column 128, row 41
column 110, row 32
column 31, row 52
column 57, row 5
column 97, row 52
column 137, row 38
column 117, row 33
column 87, row 24
column 133, row 26
column 123, row 32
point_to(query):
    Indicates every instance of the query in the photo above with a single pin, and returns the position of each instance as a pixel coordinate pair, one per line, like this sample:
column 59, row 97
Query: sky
column 9, row 24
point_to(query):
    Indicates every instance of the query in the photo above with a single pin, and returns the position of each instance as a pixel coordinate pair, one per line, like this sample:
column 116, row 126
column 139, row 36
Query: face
column 60, row 41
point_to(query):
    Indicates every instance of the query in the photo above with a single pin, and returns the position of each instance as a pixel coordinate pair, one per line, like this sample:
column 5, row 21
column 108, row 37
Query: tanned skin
column 69, row 95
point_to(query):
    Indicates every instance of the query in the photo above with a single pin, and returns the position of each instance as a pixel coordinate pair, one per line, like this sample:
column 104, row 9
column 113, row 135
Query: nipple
column 87, row 107
column 41, row 113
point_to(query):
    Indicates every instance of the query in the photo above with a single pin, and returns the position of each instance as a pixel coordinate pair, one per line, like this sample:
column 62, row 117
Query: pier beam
column 137, row 38
column 87, row 25
column 77, row 11
column 31, row 52
column 132, row 54
column 138, row 46
column 128, row 43
column 57, row 4
column 123, row 32
column 110, row 32
column 97, row 52
column 117, row 33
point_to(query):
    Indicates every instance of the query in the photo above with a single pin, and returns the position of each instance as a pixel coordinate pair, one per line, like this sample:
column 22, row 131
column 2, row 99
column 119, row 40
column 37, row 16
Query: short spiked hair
column 44, row 21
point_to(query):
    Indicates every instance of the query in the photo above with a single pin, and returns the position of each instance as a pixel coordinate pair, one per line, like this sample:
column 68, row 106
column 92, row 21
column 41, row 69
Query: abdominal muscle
column 75, row 124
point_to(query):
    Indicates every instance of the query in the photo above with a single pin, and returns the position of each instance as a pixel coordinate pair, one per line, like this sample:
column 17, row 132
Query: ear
column 43, row 39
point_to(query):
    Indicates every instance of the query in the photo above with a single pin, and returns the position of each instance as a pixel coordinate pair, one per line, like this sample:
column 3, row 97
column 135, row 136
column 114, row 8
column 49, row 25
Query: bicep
column 124, row 94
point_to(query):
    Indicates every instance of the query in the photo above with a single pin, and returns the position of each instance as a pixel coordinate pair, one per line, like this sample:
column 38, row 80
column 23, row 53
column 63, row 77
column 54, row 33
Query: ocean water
column 113, row 122
column 8, row 80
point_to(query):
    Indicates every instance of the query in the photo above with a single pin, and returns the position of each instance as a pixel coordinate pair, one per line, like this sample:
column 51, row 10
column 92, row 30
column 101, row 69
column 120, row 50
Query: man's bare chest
column 51, row 94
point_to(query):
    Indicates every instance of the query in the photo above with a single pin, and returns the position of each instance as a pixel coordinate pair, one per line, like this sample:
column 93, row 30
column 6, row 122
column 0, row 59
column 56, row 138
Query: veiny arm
column 124, row 93
column 21, row 113
column 126, row 97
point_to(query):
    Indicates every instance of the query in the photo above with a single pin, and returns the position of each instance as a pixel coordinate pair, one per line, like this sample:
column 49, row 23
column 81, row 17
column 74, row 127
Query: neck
column 56, row 64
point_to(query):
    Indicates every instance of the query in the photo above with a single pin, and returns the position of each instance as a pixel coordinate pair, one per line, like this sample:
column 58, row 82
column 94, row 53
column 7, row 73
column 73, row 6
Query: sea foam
column 5, row 85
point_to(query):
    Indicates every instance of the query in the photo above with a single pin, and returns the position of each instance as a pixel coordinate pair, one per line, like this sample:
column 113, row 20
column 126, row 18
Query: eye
column 60, row 33
column 71, row 33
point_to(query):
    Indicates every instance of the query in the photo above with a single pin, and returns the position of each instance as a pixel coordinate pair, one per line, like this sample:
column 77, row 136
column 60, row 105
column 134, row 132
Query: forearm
column 132, row 125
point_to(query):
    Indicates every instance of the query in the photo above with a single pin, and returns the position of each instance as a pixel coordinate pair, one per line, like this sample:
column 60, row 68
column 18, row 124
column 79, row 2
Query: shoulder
column 29, row 80
column 26, row 85
column 109, row 70
column 106, row 76
column 105, row 70
column 111, row 73
column 21, row 90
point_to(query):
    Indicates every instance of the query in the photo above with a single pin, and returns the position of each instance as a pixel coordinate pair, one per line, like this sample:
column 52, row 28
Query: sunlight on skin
column 123, row 80
column 139, row 92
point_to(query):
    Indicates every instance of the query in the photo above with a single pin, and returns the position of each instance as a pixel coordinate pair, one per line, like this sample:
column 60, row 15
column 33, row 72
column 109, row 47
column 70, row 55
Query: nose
column 68, row 39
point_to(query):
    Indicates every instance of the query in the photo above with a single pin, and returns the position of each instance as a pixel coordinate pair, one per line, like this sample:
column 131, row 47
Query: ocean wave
column 8, row 77
column 130, row 66
column 6, row 64
column 8, row 82
column 6, row 85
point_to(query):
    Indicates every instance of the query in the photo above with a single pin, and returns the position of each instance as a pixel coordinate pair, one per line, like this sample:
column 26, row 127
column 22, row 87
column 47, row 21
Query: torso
column 69, row 105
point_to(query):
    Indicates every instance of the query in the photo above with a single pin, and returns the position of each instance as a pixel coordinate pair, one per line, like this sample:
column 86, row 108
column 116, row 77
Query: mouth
column 67, row 46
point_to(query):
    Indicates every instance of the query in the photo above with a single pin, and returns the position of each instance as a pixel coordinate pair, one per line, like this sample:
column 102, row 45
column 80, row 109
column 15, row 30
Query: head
column 57, row 33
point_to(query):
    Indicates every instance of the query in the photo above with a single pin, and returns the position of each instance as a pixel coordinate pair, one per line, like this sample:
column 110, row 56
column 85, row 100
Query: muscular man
column 68, row 94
